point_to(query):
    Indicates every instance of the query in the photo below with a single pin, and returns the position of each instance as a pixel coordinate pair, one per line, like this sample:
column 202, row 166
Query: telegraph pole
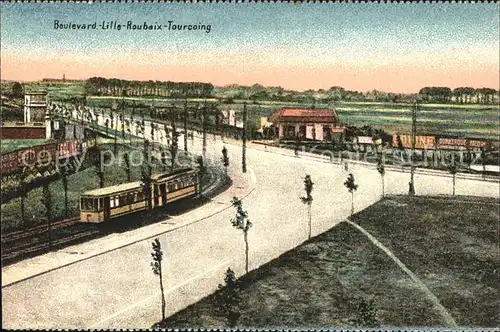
column 411, row 190
column 185, row 126
column 203, row 125
column 244, row 151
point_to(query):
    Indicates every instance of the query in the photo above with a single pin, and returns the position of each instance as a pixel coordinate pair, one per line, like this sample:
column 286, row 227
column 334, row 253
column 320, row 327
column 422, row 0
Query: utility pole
column 411, row 190
column 244, row 151
column 185, row 126
column 204, row 129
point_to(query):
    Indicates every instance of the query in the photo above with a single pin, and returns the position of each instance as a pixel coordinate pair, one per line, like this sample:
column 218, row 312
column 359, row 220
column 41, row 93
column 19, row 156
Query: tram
column 101, row 205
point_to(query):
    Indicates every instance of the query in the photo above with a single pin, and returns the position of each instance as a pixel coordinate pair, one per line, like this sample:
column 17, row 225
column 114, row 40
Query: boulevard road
column 119, row 290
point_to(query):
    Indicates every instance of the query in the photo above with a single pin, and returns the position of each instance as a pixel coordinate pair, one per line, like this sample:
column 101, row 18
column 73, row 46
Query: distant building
column 229, row 118
column 306, row 124
column 36, row 124
column 35, row 106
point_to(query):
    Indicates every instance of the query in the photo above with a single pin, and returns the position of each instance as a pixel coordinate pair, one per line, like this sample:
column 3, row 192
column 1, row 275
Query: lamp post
column 244, row 151
column 411, row 190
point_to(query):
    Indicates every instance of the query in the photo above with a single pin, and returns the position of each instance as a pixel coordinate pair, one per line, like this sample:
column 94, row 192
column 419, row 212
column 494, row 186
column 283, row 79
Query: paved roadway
column 118, row 290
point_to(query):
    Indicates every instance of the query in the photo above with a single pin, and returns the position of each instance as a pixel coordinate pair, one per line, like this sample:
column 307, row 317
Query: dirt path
column 450, row 322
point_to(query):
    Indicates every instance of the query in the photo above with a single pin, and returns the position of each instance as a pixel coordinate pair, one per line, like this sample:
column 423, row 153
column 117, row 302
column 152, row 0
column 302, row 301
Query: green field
column 57, row 91
column 451, row 245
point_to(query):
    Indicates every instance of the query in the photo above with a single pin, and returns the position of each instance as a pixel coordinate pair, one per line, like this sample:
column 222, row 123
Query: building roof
column 314, row 115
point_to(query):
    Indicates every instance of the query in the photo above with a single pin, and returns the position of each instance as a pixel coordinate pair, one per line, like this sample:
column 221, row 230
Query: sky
column 393, row 47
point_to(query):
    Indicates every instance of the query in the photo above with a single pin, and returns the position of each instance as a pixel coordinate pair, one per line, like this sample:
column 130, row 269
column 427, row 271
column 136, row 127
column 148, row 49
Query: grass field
column 451, row 246
column 57, row 91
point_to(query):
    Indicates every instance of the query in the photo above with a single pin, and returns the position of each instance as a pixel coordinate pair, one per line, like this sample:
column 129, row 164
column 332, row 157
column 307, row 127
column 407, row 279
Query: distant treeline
column 100, row 86
column 462, row 95
column 258, row 92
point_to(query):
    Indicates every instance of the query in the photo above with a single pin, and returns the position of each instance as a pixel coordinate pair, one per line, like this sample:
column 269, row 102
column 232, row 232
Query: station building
column 317, row 124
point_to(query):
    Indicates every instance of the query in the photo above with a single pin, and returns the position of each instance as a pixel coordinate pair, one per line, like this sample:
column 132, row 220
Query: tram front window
column 89, row 204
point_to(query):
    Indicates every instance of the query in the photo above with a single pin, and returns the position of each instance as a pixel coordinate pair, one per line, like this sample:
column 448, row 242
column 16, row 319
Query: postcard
column 263, row 165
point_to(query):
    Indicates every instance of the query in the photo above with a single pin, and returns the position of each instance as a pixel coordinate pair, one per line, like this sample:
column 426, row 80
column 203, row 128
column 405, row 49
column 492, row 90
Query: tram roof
column 171, row 175
column 134, row 185
column 113, row 189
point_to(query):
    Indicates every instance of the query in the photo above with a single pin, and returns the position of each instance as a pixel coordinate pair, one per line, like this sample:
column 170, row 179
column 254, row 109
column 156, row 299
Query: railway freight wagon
column 101, row 205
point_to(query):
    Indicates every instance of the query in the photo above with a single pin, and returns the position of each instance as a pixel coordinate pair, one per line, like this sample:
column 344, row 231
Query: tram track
column 21, row 244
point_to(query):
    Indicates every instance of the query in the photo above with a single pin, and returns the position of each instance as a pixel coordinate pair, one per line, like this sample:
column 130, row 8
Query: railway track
column 18, row 235
column 27, row 249
column 20, row 244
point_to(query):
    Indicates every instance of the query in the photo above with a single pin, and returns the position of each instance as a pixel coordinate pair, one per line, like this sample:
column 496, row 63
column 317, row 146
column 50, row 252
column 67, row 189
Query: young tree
column 453, row 169
column 352, row 187
column 168, row 132
column 154, row 128
column 47, row 203
column 126, row 159
column 401, row 147
column 185, row 118
column 141, row 128
column 202, row 169
column 156, row 266
column 174, row 146
column 308, row 187
column 106, row 124
column 228, row 300
column 114, row 123
column 242, row 222
column 122, row 121
column 64, row 174
column 381, row 171
column 164, row 161
column 146, row 175
column 225, row 158
column 483, row 161
column 24, row 183
column 128, row 129
column 99, row 166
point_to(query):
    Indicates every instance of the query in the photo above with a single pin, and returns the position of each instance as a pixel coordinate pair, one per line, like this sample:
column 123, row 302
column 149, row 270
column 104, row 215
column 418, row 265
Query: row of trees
column 228, row 300
column 258, row 92
column 116, row 87
column 462, row 95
